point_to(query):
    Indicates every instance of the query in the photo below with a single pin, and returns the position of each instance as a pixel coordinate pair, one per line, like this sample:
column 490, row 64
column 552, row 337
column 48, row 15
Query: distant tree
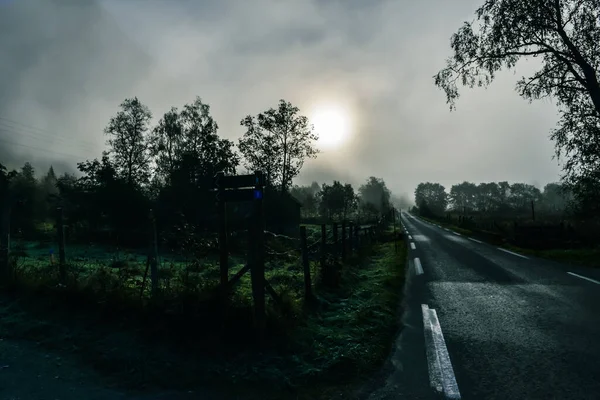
column 431, row 198
column 375, row 192
column 278, row 141
column 25, row 189
column 563, row 35
column 129, row 141
column 307, row 196
column 202, row 152
column 521, row 196
column 556, row 198
column 167, row 143
column 462, row 197
column 337, row 201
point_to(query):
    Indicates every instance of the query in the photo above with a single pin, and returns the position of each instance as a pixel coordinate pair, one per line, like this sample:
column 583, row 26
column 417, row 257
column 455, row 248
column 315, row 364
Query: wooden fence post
column 350, row 237
column 257, row 270
column 356, row 237
column 153, row 255
column 60, row 228
column 323, row 246
column 223, row 251
column 5, row 267
column 343, row 241
column 305, row 265
column 335, row 241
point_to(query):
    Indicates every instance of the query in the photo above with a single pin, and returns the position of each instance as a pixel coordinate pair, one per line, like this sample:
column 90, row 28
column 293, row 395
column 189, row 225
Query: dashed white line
column 446, row 229
column 583, row 277
column 457, row 234
column 418, row 266
column 514, row 254
column 409, row 237
column 441, row 374
column 412, row 246
column 475, row 240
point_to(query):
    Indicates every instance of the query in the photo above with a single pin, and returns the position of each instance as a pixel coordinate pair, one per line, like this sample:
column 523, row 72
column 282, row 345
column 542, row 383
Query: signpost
column 234, row 189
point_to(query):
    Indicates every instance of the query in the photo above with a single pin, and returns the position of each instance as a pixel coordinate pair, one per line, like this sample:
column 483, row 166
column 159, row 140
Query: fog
column 67, row 64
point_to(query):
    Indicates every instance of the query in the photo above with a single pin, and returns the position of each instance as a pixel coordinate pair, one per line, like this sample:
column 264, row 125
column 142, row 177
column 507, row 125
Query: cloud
column 377, row 58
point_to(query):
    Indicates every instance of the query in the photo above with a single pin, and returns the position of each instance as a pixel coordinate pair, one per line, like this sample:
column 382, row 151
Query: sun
column 332, row 125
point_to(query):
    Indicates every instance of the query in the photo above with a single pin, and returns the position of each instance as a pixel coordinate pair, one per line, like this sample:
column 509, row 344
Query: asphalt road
column 504, row 326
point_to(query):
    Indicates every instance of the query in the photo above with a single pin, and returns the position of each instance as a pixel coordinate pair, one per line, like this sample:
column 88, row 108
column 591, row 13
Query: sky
column 67, row 64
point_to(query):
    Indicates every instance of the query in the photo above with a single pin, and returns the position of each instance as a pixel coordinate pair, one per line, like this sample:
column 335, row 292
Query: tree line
column 497, row 199
column 168, row 168
column 563, row 36
column 339, row 201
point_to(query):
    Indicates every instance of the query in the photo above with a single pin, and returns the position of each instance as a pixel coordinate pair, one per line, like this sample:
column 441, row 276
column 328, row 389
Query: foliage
column 431, row 198
column 336, row 201
column 374, row 196
column 129, row 142
column 278, row 141
column 563, row 35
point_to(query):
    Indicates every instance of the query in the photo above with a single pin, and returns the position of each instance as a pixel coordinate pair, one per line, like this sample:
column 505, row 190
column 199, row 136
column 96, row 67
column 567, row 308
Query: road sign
column 239, row 195
column 237, row 181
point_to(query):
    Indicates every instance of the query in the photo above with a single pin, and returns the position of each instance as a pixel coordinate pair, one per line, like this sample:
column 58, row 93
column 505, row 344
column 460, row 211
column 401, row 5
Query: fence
column 325, row 247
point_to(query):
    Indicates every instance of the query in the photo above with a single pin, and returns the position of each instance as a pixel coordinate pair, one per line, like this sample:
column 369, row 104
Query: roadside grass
column 182, row 340
column 587, row 257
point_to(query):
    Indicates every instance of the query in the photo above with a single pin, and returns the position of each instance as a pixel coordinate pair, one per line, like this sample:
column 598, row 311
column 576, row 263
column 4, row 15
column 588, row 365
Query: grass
column 313, row 353
column 587, row 257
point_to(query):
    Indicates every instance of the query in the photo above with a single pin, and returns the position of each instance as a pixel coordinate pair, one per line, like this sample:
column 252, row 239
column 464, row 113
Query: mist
column 68, row 64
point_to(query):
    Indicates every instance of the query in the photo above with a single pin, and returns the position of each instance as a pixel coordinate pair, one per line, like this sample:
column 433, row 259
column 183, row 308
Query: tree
column 129, row 141
column 376, row 193
column 307, row 196
column 278, row 141
column 336, row 200
column 462, row 196
column 203, row 153
column 431, row 198
column 555, row 198
column 564, row 36
column 167, row 143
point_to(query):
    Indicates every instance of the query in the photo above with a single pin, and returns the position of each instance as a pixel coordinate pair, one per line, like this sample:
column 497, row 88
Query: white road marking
column 514, row 254
column 412, row 246
column 441, row 374
column 409, row 237
column 418, row 266
column 446, row 229
column 580, row 276
column 456, row 233
column 475, row 240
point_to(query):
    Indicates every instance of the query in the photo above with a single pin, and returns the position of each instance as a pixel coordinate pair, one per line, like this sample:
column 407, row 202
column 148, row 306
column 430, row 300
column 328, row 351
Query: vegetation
column 563, row 36
column 104, row 312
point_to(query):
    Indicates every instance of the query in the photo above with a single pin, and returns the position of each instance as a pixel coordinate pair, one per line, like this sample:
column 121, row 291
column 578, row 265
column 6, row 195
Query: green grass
column 309, row 353
column 587, row 257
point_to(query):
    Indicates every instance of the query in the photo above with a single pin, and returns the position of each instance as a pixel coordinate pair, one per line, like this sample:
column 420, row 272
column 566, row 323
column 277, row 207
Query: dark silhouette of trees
column 129, row 141
column 278, row 141
column 564, row 36
column 431, row 198
column 493, row 199
column 375, row 193
column 336, row 201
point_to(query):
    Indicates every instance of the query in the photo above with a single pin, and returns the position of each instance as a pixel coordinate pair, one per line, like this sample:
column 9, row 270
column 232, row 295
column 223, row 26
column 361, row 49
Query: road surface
column 483, row 323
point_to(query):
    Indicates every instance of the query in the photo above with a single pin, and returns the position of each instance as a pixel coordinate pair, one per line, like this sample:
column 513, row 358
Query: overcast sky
column 66, row 65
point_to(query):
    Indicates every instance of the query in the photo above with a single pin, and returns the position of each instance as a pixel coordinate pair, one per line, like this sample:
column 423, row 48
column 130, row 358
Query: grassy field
column 589, row 257
column 183, row 342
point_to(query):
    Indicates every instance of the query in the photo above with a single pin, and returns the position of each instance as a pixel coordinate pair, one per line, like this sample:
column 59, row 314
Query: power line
column 36, row 132
column 42, row 149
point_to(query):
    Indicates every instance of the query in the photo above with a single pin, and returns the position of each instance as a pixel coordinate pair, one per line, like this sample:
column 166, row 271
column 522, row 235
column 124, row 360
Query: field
column 577, row 252
column 311, row 352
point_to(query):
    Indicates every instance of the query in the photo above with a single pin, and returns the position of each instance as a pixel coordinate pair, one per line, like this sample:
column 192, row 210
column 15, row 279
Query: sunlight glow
column 332, row 124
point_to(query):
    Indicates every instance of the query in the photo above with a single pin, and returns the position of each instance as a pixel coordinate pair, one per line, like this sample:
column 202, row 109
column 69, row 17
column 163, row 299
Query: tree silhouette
column 129, row 141
column 564, row 36
column 278, row 141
